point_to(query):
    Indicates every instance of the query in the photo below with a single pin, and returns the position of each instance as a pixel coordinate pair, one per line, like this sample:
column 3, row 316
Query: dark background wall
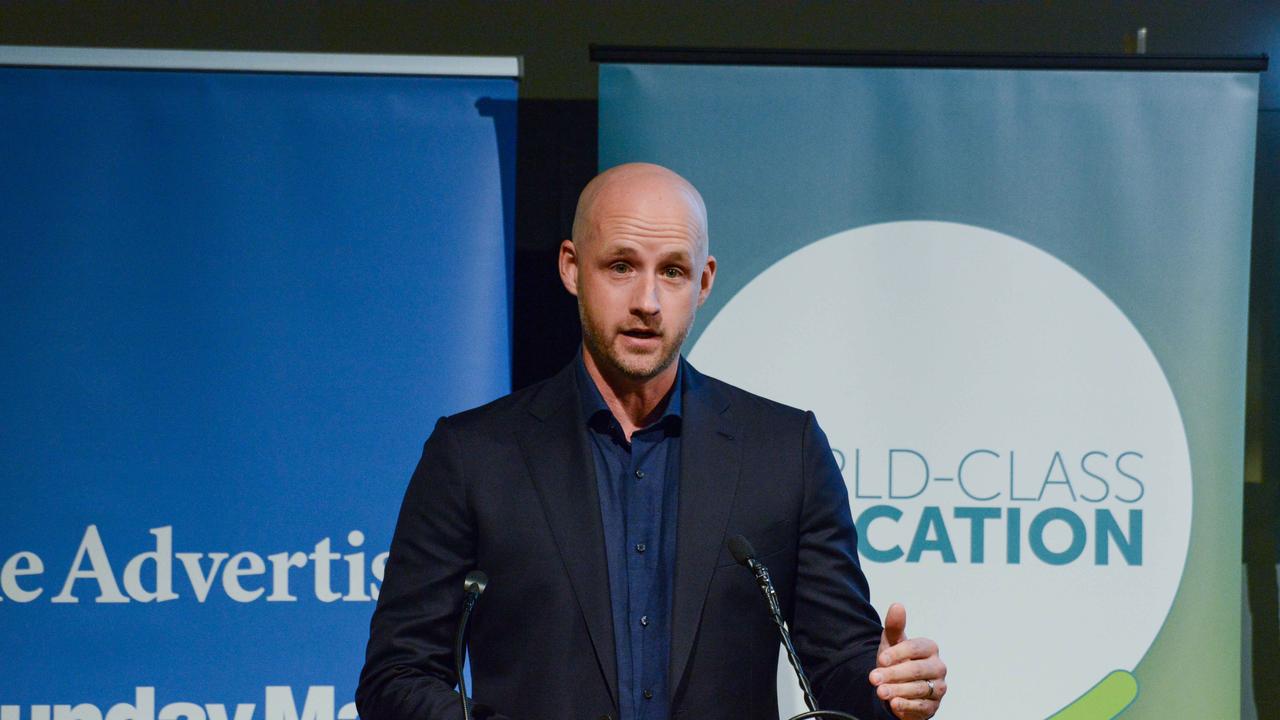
column 557, row 150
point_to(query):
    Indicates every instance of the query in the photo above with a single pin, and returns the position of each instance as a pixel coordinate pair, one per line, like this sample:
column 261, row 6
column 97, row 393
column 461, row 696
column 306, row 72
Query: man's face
column 640, row 274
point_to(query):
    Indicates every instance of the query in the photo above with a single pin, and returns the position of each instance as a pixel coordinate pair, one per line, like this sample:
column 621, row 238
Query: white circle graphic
column 1014, row 455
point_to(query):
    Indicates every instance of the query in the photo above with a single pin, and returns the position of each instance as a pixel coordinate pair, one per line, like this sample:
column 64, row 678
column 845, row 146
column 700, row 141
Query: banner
column 235, row 305
column 1016, row 301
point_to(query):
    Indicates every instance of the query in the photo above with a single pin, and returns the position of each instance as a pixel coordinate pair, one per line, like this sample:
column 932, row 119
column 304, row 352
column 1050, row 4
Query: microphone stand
column 745, row 555
column 474, row 585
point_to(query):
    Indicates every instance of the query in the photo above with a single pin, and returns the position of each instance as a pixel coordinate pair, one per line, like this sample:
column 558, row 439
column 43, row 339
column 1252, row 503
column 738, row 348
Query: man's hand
column 909, row 675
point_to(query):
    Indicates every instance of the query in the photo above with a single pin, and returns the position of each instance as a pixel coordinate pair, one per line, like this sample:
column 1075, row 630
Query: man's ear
column 569, row 266
column 707, row 280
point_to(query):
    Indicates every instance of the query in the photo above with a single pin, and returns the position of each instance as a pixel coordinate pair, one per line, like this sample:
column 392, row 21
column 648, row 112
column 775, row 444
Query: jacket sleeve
column 835, row 629
column 408, row 672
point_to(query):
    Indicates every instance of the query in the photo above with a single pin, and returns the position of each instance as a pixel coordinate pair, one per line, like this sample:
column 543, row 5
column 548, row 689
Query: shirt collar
column 598, row 415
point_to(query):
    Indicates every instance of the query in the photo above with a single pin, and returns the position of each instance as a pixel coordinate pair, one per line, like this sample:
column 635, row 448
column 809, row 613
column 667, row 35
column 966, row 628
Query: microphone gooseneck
column 745, row 555
column 474, row 584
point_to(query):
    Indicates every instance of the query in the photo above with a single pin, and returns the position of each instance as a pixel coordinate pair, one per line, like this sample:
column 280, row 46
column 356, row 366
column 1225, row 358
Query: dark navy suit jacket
column 509, row 488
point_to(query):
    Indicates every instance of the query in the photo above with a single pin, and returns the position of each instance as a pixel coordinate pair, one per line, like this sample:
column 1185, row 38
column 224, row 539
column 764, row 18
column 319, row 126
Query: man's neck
column 635, row 403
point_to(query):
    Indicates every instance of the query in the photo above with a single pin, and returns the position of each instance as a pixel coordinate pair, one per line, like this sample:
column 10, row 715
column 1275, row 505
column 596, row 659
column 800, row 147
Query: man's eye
column 619, row 267
column 673, row 273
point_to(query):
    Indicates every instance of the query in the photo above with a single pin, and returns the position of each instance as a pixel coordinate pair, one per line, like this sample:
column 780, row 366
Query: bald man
column 599, row 503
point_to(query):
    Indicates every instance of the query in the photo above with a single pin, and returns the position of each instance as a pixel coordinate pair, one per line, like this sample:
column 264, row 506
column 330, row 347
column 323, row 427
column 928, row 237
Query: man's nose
column 645, row 299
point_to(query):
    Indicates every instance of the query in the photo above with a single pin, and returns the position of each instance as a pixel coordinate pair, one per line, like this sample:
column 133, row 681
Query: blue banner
column 235, row 305
column 1016, row 301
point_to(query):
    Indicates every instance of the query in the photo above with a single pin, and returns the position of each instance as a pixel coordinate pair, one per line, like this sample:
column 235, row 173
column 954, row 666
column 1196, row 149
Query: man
column 599, row 503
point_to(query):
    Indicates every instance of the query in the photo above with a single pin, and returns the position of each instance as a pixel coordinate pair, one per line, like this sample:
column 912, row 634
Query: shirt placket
column 642, row 511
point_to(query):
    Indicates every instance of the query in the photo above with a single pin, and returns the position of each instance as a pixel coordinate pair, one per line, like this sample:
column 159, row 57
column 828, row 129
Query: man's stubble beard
column 604, row 352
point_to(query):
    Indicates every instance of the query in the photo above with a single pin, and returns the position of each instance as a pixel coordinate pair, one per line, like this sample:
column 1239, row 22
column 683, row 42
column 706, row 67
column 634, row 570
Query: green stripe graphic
column 1103, row 701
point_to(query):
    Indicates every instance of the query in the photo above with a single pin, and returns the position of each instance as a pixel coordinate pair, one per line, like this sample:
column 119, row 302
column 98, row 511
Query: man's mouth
column 641, row 333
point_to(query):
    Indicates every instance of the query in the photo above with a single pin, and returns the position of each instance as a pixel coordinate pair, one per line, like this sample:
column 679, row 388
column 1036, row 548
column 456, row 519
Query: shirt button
column 640, row 474
column 648, row 694
column 641, row 547
column 644, row 621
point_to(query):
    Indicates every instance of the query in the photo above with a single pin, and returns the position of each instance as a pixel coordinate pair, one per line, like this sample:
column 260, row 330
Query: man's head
column 639, row 266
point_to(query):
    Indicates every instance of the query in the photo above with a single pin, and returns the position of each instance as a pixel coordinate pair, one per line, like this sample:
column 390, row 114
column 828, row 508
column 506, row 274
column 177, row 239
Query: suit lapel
column 709, row 459
column 564, row 476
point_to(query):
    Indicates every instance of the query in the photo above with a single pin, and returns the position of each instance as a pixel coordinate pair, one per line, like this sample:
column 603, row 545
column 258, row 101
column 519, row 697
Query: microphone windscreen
column 741, row 549
column 475, row 582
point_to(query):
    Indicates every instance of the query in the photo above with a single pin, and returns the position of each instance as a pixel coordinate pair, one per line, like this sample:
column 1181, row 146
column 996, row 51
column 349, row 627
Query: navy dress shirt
column 638, row 487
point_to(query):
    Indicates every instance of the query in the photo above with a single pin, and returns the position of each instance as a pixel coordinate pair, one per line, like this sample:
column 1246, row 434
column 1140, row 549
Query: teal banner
column 1016, row 301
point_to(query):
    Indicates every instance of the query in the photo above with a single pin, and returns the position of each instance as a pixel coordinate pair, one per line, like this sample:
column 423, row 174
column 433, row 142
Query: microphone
column 474, row 584
column 745, row 555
